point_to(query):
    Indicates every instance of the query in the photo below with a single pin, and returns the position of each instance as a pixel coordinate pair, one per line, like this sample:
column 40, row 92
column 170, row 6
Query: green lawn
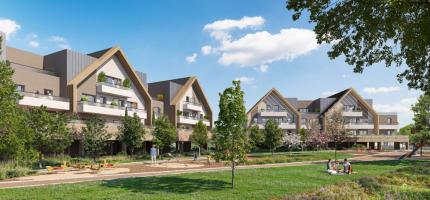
column 283, row 157
column 251, row 184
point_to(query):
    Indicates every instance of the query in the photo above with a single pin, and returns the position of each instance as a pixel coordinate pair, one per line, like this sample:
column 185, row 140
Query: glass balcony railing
column 113, row 85
column 43, row 96
column 111, row 106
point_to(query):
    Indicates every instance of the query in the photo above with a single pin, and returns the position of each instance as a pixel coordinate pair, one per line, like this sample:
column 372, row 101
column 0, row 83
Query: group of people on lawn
column 334, row 167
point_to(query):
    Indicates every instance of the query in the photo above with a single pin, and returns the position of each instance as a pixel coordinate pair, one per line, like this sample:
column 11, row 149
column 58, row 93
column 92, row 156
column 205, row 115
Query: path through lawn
column 251, row 184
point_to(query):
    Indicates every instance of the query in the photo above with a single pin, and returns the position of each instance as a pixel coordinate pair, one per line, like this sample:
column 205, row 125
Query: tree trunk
column 199, row 151
column 335, row 151
column 40, row 160
column 421, row 151
column 232, row 173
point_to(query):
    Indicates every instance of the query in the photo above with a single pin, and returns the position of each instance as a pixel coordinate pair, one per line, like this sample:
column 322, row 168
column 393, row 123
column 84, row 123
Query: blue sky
column 255, row 41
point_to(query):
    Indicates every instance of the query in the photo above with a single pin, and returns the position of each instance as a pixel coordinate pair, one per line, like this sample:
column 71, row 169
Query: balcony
column 192, row 120
column 113, row 89
column 105, row 109
column 359, row 126
column 352, row 113
column 388, row 126
column 51, row 102
column 287, row 126
column 273, row 113
column 193, row 106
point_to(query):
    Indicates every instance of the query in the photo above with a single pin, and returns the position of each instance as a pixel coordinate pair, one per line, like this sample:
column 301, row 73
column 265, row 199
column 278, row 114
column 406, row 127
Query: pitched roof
column 107, row 54
column 280, row 96
column 339, row 97
column 187, row 83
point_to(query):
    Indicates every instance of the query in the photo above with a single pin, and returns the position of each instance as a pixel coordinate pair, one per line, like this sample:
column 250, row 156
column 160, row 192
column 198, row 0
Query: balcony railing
column 193, row 103
column 113, row 85
column 112, row 106
column 192, row 120
column 106, row 109
column 51, row 102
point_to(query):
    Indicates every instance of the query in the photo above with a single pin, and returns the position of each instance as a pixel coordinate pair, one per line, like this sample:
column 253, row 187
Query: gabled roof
column 341, row 95
column 279, row 95
column 107, row 54
column 190, row 81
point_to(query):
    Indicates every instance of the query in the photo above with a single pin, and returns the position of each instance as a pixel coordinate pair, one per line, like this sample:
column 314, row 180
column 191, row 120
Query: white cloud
column 206, row 50
column 403, row 106
column 32, row 40
column 220, row 30
column 379, row 90
column 328, row 93
column 192, row 58
column 262, row 68
column 245, row 79
column 9, row 27
column 346, row 75
column 62, row 42
column 33, row 43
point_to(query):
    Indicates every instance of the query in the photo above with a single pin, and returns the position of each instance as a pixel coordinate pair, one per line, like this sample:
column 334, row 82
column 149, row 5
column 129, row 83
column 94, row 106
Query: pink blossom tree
column 317, row 140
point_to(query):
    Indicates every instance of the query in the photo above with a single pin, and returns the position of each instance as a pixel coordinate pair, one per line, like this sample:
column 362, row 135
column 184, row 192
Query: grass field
column 250, row 184
column 283, row 157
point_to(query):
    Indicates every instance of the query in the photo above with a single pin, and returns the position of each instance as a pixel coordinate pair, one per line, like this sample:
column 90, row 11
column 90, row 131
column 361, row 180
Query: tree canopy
column 132, row 132
column 231, row 139
column 272, row 135
column 164, row 133
column 200, row 135
column 395, row 32
column 256, row 136
column 95, row 136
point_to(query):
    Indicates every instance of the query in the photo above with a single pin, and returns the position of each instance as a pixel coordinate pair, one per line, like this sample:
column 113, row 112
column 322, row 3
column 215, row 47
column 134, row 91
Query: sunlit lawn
column 250, row 184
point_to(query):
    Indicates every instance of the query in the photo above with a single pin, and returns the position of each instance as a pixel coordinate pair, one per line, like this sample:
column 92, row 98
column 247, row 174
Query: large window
column 390, row 121
column 113, row 80
column 268, row 107
column 88, row 97
column 303, row 110
column 20, row 88
column 48, row 92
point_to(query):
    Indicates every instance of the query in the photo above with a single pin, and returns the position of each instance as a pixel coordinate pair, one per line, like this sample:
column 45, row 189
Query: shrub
column 84, row 98
column 349, row 191
column 101, row 77
column 160, row 97
column 371, row 184
column 126, row 83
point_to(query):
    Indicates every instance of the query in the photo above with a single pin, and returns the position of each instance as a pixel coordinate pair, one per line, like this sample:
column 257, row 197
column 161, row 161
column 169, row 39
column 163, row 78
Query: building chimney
column 2, row 46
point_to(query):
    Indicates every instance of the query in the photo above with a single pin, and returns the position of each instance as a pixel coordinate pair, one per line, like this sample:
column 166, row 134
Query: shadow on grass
column 167, row 184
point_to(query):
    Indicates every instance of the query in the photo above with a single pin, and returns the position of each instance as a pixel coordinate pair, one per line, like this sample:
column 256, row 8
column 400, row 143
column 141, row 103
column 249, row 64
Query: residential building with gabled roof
column 363, row 124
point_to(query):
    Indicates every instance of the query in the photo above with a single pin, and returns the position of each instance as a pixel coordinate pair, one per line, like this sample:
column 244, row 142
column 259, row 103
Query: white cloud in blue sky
column 381, row 90
column 8, row 27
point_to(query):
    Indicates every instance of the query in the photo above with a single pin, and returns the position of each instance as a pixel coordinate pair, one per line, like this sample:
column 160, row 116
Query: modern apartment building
column 364, row 125
column 184, row 103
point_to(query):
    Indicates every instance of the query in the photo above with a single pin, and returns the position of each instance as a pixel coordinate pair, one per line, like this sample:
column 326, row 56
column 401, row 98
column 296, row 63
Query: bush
column 371, row 184
column 101, row 77
column 126, row 83
column 349, row 191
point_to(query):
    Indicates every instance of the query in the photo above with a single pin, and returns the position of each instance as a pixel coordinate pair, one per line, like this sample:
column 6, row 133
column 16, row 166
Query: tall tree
column 421, row 121
column 335, row 128
column 317, row 140
column 200, row 135
column 164, row 133
column 94, row 136
column 368, row 32
column 406, row 130
column 272, row 135
column 256, row 136
column 231, row 139
column 15, row 140
column 132, row 132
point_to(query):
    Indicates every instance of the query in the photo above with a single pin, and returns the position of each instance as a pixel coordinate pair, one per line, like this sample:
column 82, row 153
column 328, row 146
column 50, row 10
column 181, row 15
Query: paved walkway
column 31, row 181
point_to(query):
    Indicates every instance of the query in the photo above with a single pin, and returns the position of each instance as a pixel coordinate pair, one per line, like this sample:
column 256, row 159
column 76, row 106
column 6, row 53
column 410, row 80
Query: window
column 20, row 88
column 113, row 81
column 187, row 99
column 88, row 97
column 276, row 108
column 47, row 92
column 121, row 103
column 303, row 110
column 102, row 100
column 268, row 107
column 390, row 121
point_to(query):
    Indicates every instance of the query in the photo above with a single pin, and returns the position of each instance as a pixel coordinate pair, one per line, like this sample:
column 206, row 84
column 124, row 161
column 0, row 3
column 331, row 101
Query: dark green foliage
column 164, row 133
column 406, row 130
column 272, row 135
column 126, row 83
column 132, row 132
column 200, row 135
column 368, row 32
column 94, row 136
column 256, row 136
column 101, row 77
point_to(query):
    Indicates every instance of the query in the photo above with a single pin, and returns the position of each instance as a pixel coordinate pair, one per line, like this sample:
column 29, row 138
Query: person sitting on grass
column 331, row 167
column 347, row 169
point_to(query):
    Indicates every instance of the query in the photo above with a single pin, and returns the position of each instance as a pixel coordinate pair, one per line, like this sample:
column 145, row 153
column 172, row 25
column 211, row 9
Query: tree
column 335, row 128
column 164, row 133
column 272, row 135
column 231, row 141
column 304, row 134
column 291, row 140
column 406, row 130
column 317, row 140
column 15, row 140
column 368, row 32
column 256, row 136
column 94, row 136
column 421, row 121
column 200, row 135
column 132, row 132
column 49, row 131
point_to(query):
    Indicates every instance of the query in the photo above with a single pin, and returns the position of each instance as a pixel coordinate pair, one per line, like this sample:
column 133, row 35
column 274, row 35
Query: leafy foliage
column 101, row 77
column 272, row 135
column 335, row 128
column 368, row 32
column 200, row 135
column 256, row 136
column 126, row 83
column 132, row 132
column 94, row 136
column 164, row 133
column 231, row 141
column 406, row 130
